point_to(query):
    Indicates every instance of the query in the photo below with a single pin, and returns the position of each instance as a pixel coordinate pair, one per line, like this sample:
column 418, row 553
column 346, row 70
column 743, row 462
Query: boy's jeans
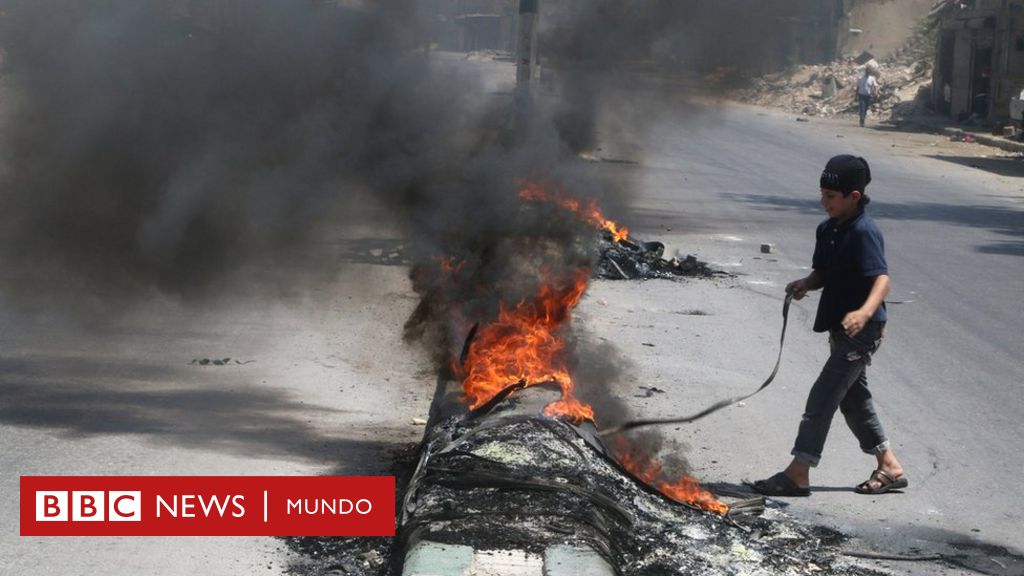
column 843, row 385
column 863, row 103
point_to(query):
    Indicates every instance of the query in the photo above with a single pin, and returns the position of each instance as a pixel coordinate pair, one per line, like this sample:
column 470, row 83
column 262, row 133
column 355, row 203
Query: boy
column 849, row 264
column 867, row 89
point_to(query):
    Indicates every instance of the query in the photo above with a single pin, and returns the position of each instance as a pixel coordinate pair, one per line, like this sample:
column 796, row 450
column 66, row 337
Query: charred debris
column 631, row 259
column 504, row 477
column 512, row 479
column 623, row 259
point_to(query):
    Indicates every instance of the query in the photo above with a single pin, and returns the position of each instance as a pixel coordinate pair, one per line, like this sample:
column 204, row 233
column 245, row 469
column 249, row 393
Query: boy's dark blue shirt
column 850, row 255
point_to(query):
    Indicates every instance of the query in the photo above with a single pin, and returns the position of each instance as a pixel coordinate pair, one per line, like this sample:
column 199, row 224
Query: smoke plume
column 148, row 147
column 167, row 146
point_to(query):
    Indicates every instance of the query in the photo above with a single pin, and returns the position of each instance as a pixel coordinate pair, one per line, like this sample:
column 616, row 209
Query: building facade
column 979, row 64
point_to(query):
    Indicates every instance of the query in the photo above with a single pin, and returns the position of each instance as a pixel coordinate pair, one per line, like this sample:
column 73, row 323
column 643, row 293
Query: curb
column 988, row 140
column 435, row 559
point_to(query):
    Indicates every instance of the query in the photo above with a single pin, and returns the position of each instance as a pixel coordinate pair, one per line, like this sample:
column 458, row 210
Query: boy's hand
column 798, row 288
column 854, row 322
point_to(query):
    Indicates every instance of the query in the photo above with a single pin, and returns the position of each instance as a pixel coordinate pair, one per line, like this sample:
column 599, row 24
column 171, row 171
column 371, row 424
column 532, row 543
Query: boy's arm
column 854, row 321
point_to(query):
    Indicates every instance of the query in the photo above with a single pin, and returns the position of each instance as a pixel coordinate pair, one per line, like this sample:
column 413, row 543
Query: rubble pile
column 634, row 260
column 827, row 90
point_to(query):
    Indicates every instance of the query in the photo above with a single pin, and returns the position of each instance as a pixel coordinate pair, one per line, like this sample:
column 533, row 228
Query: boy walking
column 849, row 265
column 867, row 89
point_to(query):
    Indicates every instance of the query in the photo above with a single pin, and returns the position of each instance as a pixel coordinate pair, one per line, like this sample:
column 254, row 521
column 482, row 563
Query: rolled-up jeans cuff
column 878, row 449
column 809, row 459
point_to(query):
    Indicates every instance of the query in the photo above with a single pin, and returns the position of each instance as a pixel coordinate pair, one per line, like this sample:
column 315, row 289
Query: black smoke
column 148, row 147
column 172, row 146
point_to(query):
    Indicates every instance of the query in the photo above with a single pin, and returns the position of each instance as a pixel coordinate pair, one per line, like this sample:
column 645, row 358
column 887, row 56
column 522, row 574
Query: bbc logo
column 89, row 506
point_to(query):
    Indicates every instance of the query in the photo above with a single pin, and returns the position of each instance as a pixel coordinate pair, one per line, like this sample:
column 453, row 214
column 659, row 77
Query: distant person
column 849, row 265
column 867, row 89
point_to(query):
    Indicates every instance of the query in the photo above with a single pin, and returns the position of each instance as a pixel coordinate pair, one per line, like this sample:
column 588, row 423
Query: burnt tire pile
column 533, row 483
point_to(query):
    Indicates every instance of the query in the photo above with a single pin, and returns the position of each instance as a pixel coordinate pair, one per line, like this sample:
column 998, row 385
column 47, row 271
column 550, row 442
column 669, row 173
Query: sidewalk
column 943, row 125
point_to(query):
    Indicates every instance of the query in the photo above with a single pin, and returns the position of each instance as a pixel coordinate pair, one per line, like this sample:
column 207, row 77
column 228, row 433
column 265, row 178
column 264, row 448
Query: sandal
column 881, row 482
column 779, row 485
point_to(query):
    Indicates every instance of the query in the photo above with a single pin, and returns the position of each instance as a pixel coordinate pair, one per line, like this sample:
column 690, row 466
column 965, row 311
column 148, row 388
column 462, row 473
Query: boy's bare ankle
column 888, row 463
column 799, row 473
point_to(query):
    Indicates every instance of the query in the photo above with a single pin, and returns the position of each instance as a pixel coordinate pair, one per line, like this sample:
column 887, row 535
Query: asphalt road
column 319, row 382
column 333, row 389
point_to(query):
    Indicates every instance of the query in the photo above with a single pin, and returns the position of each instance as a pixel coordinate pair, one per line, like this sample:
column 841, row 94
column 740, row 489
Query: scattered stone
column 829, row 88
column 419, row 422
column 767, row 248
column 218, row 361
column 371, row 557
column 649, row 391
column 864, row 58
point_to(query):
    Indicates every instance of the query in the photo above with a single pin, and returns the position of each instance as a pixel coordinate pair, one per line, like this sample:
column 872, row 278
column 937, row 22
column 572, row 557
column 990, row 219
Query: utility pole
column 526, row 57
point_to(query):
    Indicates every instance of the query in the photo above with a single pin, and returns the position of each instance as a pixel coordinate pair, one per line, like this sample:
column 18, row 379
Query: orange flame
column 589, row 212
column 523, row 344
column 450, row 265
column 649, row 470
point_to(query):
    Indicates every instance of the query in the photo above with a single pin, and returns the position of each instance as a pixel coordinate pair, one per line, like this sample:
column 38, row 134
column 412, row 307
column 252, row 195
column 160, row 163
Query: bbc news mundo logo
column 88, row 506
column 207, row 506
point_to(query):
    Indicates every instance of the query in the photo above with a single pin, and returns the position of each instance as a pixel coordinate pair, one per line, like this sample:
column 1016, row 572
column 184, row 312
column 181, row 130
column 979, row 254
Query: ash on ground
column 325, row 556
column 351, row 556
column 635, row 260
column 528, row 483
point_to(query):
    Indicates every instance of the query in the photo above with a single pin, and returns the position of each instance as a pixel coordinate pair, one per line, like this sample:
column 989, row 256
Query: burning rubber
column 515, row 482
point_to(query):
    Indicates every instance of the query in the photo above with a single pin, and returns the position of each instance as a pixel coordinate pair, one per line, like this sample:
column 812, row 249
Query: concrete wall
column 1008, row 59
column 962, row 52
column 885, row 25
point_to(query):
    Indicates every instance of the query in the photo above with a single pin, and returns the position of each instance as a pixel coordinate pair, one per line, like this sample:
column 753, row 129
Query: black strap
column 633, row 424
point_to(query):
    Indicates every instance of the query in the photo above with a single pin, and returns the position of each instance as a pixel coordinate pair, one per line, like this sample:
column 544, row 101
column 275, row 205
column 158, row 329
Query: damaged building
column 979, row 58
